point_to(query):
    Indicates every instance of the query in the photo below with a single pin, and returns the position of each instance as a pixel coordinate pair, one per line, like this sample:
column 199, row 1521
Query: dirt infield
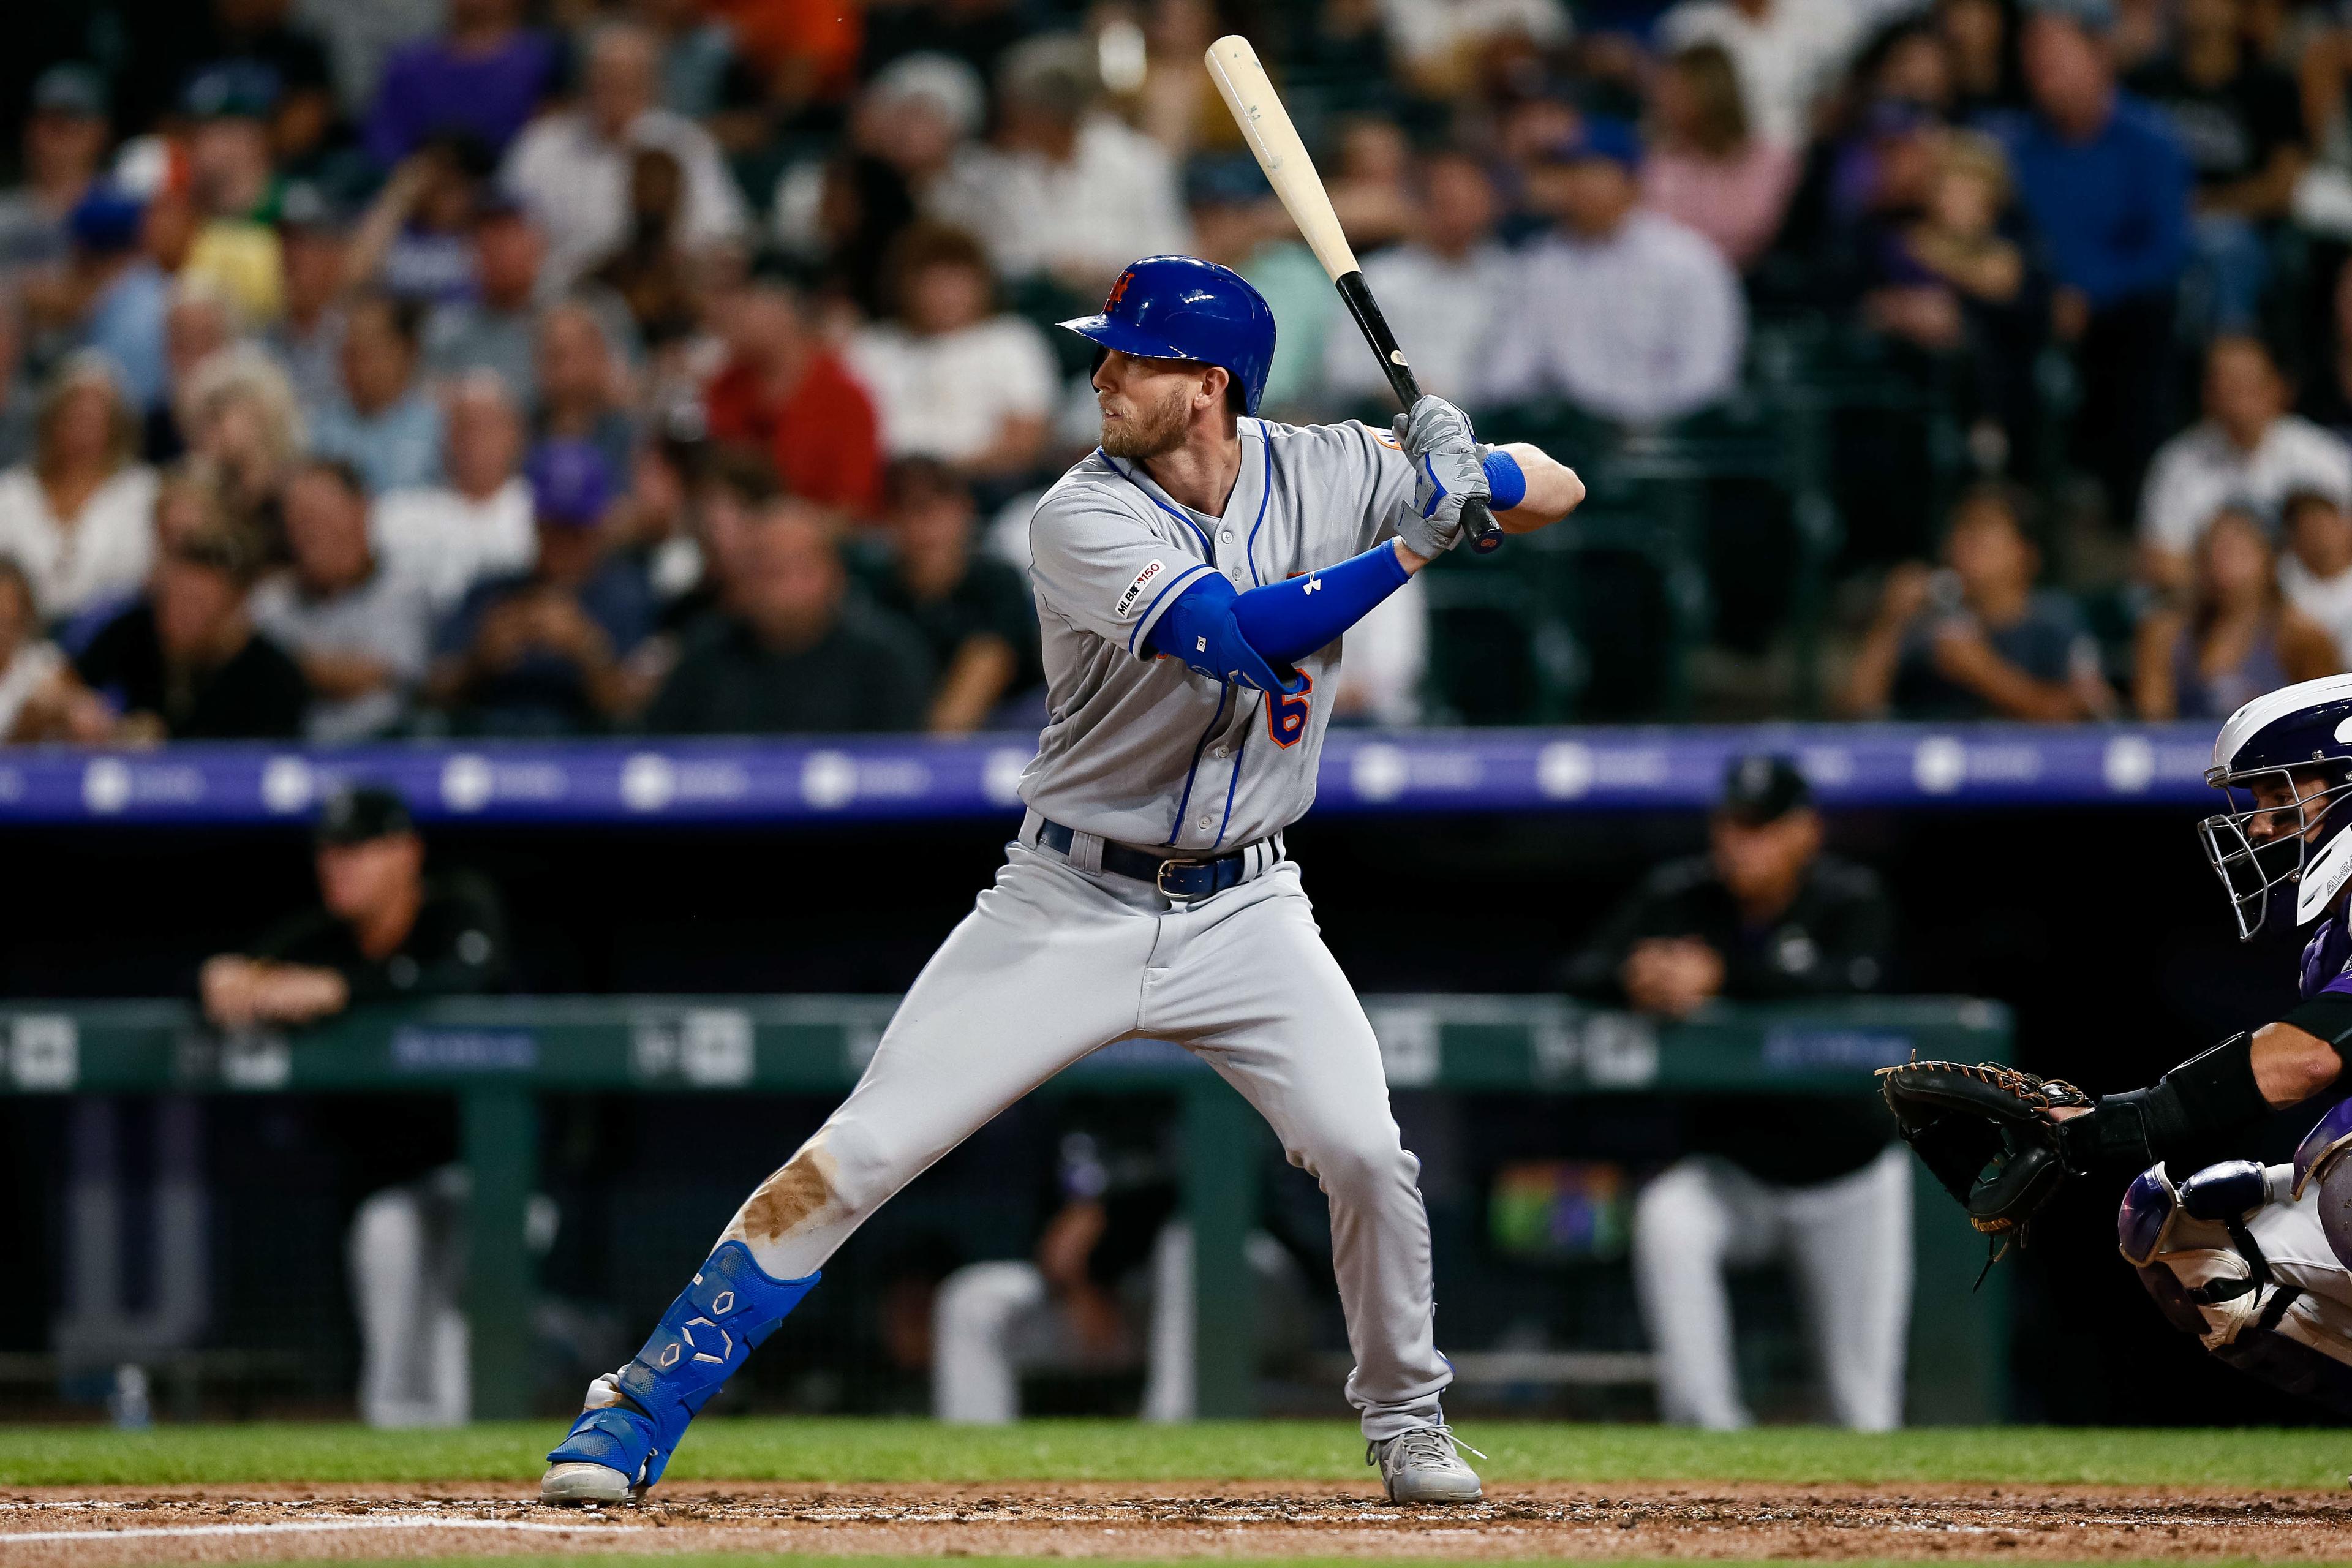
column 47, row 1526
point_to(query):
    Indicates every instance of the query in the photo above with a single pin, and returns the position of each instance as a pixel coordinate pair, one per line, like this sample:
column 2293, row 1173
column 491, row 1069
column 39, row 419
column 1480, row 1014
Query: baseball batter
column 1193, row 577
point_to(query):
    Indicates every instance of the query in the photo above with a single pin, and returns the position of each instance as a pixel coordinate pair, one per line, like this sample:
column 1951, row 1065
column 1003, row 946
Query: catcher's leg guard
column 2229, row 1258
column 708, row 1333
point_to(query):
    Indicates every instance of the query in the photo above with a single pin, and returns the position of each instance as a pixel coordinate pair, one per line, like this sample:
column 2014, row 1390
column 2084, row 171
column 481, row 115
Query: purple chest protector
column 2324, row 957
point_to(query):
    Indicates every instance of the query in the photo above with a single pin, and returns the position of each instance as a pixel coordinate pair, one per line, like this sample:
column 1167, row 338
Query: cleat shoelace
column 1430, row 1445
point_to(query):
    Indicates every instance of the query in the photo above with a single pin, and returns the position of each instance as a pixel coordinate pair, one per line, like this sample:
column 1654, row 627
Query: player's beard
column 1150, row 431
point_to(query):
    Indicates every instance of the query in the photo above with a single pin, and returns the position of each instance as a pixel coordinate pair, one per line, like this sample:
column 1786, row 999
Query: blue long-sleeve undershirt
column 1252, row 638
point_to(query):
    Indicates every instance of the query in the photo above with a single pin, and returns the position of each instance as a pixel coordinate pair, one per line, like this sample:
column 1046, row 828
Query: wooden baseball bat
column 1266, row 124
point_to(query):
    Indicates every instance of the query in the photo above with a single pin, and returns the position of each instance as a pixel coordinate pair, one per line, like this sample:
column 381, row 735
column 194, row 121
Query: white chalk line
column 300, row 1526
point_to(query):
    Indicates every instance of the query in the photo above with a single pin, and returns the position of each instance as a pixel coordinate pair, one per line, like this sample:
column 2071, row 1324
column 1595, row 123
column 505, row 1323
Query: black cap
column 1763, row 787
column 232, row 89
column 307, row 205
column 360, row 814
column 70, row 89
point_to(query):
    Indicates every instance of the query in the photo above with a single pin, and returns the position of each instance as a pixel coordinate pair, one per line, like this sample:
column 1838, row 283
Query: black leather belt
column 1176, row 878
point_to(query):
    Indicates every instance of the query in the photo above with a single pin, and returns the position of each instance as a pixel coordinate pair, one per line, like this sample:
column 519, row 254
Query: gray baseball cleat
column 577, row 1480
column 584, row 1480
column 1420, row 1466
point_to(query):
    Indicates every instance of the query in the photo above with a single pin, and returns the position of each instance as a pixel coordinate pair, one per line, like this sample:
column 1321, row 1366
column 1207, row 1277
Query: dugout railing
column 497, row 1055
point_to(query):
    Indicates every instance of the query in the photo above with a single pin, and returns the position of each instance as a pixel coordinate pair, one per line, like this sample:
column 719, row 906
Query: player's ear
column 1215, row 380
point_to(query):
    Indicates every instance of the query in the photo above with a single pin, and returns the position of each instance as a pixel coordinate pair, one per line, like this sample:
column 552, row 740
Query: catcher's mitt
column 1985, row 1131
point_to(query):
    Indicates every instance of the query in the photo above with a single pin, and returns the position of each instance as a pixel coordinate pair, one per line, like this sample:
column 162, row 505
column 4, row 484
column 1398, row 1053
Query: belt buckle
column 1159, row 879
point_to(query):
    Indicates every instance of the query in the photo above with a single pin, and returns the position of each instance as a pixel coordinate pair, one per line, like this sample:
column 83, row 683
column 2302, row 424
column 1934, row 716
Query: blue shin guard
column 709, row 1331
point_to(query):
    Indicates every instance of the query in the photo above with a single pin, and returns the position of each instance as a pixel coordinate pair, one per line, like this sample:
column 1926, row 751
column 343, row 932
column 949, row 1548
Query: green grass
column 840, row 1450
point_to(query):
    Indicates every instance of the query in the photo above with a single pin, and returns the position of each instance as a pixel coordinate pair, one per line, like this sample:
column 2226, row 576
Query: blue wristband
column 1506, row 487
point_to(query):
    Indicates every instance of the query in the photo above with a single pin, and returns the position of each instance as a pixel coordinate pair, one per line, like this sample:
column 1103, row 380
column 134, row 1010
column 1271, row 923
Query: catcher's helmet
column 1179, row 307
column 2303, row 729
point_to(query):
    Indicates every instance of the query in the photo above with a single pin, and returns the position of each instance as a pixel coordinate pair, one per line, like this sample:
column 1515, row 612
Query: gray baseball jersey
column 1144, row 750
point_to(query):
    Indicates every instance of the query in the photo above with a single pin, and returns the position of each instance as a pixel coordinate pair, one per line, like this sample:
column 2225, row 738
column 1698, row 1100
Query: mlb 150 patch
column 1143, row 580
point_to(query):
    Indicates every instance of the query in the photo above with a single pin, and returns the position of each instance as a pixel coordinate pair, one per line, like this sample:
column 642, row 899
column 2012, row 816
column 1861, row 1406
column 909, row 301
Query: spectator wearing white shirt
column 28, row 660
column 478, row 523
column 952, row 378
column 2315, row 572
column 1788, row 53
column 572, row 169
column 1069, row 190
column 1627, row 314
column 2247, row 450
column 1441, row 290
column 75, row 515
column 358, row 626
column 1442, row 43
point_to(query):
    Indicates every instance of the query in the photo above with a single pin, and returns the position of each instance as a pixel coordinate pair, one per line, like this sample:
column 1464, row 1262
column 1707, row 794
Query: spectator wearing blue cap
column 385, row 424
column 1625, row 312
column 65, row 137
column 121, row 292
column 543, row 652
column 2106, row 183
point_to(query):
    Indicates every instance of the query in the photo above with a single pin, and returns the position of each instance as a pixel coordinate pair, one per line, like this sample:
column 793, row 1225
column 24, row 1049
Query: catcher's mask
column 2289, row 756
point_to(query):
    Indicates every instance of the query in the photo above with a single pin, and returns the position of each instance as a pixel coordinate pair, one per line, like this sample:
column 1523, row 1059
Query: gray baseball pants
column 1848, row 1242
column 1054, row 963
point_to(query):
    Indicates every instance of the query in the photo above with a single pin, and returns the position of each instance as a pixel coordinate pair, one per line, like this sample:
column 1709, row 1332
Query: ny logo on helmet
column 1119, row 290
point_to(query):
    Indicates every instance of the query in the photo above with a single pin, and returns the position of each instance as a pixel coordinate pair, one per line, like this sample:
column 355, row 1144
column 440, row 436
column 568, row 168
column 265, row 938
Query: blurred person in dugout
column 1109, row 1289
column 1765, row 916
column 385, row 930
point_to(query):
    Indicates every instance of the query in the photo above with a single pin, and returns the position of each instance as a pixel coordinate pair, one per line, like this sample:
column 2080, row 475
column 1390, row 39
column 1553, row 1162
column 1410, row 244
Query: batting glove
column 1448, row 471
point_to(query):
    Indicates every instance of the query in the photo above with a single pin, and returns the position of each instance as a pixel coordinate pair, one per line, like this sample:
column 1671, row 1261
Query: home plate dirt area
column 1131, row 1520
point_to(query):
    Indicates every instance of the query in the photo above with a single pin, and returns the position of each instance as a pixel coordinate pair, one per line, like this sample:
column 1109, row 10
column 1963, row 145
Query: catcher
column 2255, row 1261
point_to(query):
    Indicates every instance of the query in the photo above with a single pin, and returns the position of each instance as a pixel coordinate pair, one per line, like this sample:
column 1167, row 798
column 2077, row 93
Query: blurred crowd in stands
column 483, row 367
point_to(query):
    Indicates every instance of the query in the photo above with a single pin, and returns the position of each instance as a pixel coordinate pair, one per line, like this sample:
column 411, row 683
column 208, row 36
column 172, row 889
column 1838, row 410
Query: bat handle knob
column 1479, row 526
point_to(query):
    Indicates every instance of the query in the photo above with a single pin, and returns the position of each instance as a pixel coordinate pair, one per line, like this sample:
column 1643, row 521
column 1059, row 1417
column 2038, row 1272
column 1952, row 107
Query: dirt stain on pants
column 798, row 1192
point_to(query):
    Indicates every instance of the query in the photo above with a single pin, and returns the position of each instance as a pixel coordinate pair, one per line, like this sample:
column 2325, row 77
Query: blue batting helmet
column 1179, row 307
